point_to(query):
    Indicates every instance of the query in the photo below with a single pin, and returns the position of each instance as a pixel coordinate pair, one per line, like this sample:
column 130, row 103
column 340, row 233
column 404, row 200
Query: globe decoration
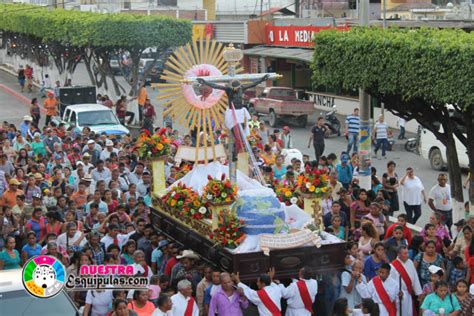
column 261, row 214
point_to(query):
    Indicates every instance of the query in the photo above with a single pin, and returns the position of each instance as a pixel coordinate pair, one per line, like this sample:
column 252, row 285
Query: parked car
column 281, row 103
column 100, row 119
column 156, row 70
column 14, row 300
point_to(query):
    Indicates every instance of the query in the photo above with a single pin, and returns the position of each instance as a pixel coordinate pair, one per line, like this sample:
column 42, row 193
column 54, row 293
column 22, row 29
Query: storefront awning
column 299, row 54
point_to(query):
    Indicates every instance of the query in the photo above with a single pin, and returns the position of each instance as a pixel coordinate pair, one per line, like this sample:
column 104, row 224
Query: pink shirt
column 154, row 291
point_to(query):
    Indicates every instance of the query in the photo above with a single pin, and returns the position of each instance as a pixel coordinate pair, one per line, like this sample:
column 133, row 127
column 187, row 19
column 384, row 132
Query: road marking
column 20, row 97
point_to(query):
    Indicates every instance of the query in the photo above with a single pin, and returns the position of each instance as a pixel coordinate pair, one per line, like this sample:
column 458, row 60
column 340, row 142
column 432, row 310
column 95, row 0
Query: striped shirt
column 382, row 130
column 353, row 124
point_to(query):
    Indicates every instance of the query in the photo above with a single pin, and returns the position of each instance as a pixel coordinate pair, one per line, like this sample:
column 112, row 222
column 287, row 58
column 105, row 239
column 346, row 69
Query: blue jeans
column 381, row 142
column 352, row 138
column 402, row 132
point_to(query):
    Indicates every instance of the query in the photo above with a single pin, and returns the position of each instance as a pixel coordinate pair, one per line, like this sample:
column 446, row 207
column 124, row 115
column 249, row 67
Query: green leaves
column 94, row 29
column 434, row 65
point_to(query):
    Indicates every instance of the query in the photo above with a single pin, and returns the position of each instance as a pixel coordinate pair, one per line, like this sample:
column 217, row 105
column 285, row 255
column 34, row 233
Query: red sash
column 189, row 307
column 406, row 278
column 382, row 293
column 305, row 297
column 268, row 303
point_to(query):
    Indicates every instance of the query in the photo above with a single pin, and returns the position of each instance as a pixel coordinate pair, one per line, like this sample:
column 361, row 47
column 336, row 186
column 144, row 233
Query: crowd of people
column 85, row 199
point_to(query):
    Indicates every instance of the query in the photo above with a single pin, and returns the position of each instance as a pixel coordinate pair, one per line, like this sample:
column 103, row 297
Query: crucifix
column 234, row 87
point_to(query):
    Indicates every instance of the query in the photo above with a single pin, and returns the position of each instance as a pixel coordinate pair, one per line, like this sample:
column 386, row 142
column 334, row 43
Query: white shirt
column 401, row 122
column 99, row 301
column 101, row 175
column 411, row 191
column 292, row 295
column 158, row 312
column 138, row 268
column 180, row 303
column 241, row 115
column 353, row 298
column 65, row 242
column 105, row 154
column 273, row 291
column 121, row 238
column 407, row 303
column 368, row 291
column 441, row 197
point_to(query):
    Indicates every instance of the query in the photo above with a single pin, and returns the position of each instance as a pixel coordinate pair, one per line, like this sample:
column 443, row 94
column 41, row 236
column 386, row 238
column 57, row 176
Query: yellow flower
column 159, row 146
column 196, row 203
column 173, row 202
column 288, row 193
column 312, row 188
column 324, row 189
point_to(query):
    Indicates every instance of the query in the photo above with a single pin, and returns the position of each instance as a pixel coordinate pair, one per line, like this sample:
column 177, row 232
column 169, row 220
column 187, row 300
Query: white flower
column 209, row 196
column 294, row 200
column 224, row 195
column 173, row 193
column 308, row 185
column 202, row 210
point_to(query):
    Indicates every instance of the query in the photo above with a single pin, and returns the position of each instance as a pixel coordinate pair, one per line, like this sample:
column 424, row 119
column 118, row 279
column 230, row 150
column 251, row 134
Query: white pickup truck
column 99, row 118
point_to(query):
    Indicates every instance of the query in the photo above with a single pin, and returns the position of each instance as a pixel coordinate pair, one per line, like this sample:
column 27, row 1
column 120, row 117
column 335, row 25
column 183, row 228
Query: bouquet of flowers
column 228, row 234
column 286, row 194
column 156, row 145
column 220, row 191
column 181, row 172
column 186, row 201
column 312, row 182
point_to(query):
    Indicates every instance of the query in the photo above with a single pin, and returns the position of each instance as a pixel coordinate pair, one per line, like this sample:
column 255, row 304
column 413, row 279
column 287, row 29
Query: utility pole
column 297, row 8
column 384, row 14
column 364, row 132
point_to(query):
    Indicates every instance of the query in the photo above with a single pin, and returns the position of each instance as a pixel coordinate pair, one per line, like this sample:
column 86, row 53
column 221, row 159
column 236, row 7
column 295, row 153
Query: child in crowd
column 154, row 289
column 436, row 275
column 458, row 272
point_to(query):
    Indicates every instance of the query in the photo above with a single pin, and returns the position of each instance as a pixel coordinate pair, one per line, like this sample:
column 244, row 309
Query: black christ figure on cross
column 235, row 91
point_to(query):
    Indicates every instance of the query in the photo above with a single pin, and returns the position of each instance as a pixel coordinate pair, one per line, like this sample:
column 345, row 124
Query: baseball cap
column 434, row 269
column 14, row 181
column 163, row 243
column 109, row 143
column 86, row 155
column 90, row 141
column 37, row 196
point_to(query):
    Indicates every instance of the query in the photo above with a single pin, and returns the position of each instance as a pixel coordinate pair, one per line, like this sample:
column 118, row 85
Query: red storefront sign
column 295, row 35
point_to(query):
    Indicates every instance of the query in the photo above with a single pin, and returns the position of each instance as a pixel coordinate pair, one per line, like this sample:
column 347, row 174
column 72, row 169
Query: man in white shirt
column 183, row 302
column 412, row 192
column 267, row 298
column 440, row 201
column 404, row 271
column 113, row 237
column 164, row 306
column 401, row 123
column 300, row 294
column 109, row 148
column 100, row 172
column 382, row 290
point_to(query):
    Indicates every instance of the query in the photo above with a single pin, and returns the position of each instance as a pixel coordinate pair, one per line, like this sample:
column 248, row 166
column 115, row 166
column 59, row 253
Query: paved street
column 14, row 105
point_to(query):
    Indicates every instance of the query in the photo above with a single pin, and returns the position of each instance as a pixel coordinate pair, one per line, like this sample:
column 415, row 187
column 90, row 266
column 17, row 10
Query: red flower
column 223, row 177
column 177, row 196
column 317, row 182
column 211, row 236
column 209, row 177
column 146, row 132
column 227, row 185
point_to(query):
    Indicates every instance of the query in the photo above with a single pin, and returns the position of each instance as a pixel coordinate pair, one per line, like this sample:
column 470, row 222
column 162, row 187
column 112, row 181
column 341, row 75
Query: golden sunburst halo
column 190, row 104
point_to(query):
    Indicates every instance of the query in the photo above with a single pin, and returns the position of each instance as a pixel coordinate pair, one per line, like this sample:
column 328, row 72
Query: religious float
column 233, row 220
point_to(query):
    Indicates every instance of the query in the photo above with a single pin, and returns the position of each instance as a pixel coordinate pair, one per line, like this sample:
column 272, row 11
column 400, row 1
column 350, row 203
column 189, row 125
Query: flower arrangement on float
column 186, row 202
column 220, row 191
column 228, row 234
column 313, row 183
column 182, row 171
column 286, row 194
column 152, row 146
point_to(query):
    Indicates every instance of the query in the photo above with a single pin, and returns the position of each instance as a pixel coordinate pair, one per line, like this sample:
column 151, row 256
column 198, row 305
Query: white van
column 431, row 148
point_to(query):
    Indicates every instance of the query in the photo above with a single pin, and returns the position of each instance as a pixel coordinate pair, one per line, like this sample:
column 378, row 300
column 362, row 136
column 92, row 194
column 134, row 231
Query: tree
column 415, row 72
column 95, row 37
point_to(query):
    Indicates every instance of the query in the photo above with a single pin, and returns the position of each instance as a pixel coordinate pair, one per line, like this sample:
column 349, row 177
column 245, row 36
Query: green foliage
column 80, row 29
column 430, row 64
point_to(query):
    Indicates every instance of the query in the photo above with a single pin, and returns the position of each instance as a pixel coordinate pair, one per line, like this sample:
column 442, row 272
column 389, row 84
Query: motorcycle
column 332, row 123
column 412, row 144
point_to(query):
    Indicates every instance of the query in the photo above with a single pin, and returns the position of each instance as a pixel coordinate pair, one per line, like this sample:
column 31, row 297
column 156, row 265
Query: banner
column 290, row 35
